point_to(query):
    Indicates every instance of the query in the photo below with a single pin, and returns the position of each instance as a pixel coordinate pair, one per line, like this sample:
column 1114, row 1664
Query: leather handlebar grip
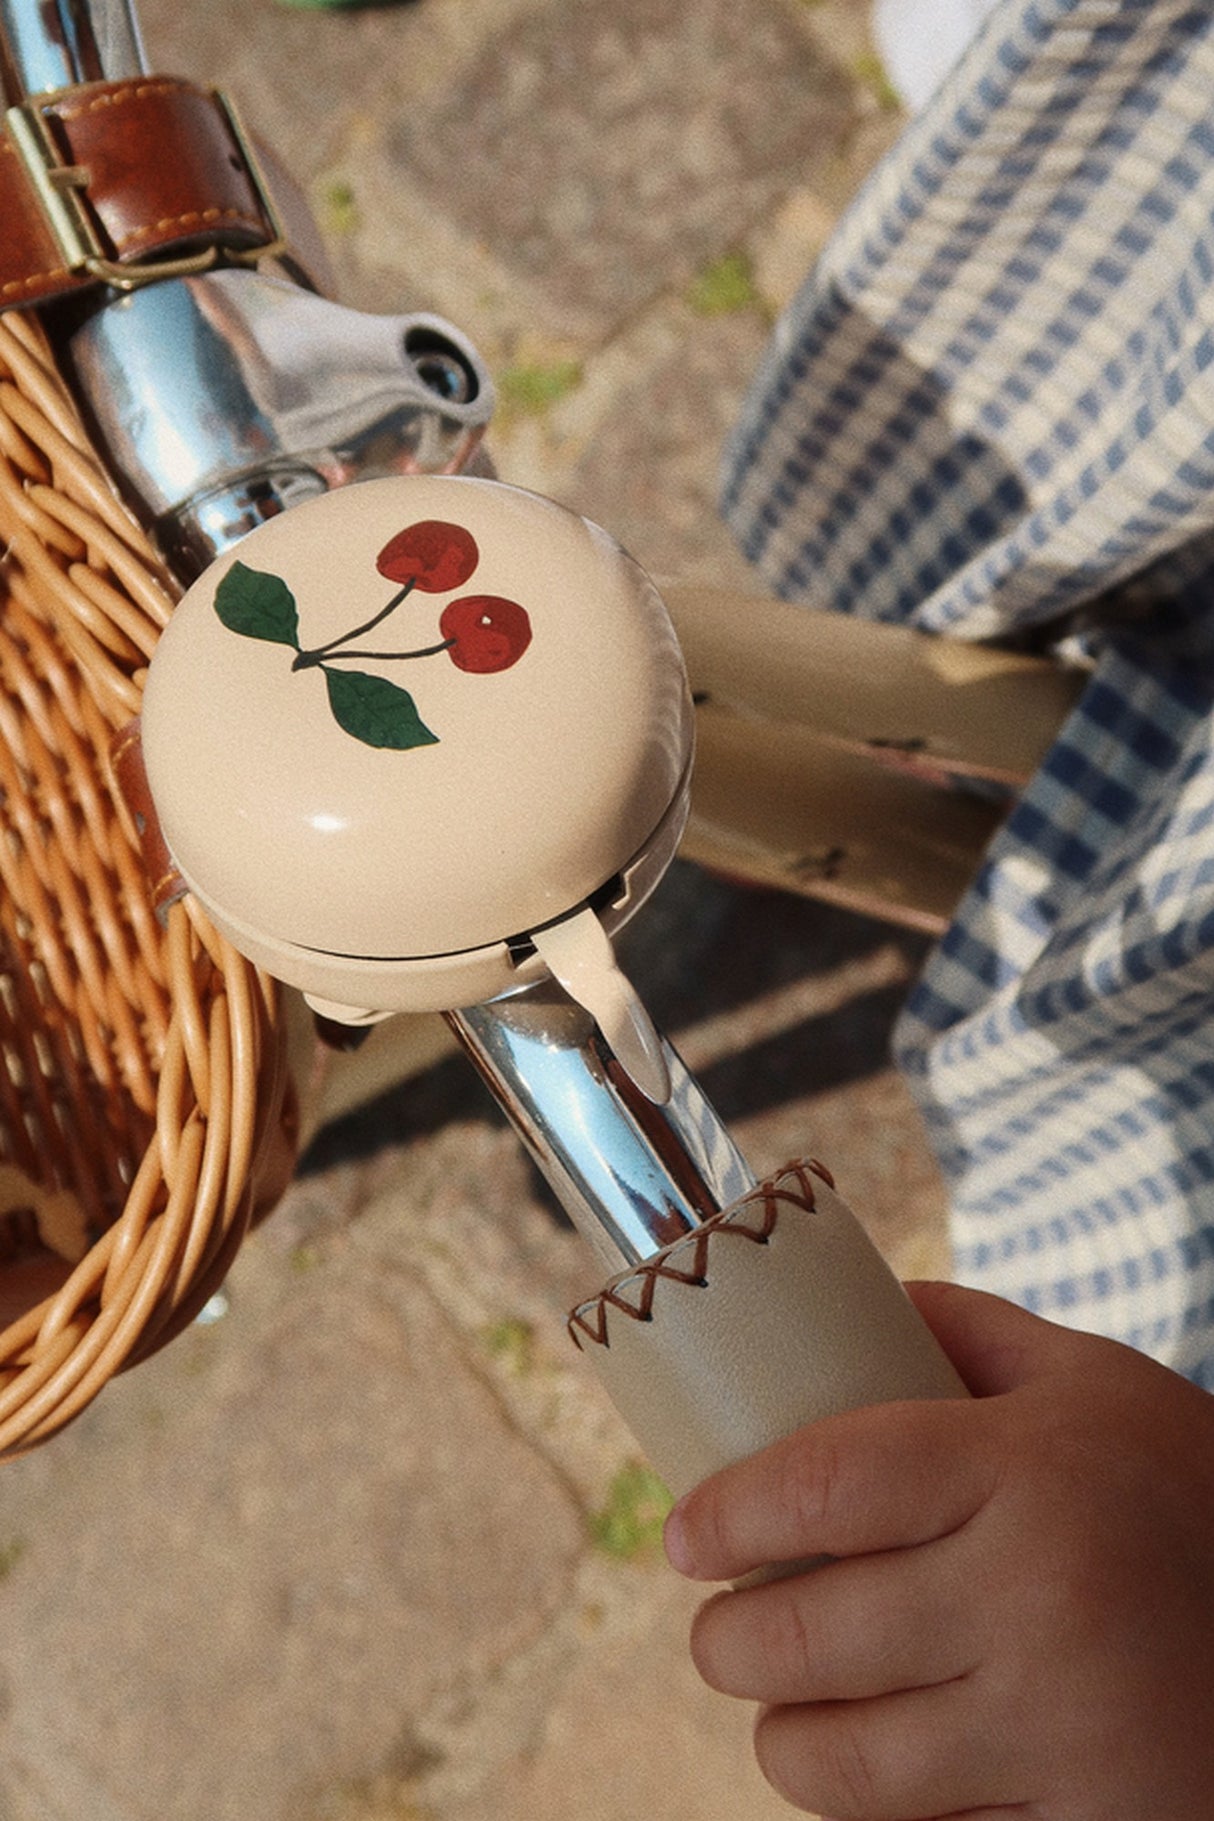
column 774, row 1313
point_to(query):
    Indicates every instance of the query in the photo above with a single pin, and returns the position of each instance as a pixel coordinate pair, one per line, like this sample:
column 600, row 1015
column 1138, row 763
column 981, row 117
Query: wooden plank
column 935, row 704
column 775, row 805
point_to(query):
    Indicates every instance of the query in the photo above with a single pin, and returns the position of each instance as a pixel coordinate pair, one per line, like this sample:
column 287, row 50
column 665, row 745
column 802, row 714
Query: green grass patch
column 725, row 286
column 630, row 1522
column 869, row 71
column 531, row 389
column 10, row 1554
column 512, row 1341
column 337, row 207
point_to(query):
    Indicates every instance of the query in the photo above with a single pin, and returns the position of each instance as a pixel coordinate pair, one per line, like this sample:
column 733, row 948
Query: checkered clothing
column 990, row 413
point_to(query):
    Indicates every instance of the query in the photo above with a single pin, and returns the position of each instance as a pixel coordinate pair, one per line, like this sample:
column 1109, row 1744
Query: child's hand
column 1020, row 1621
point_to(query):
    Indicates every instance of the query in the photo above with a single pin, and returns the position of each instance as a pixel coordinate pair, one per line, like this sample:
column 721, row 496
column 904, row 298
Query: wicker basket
column 145, row 1111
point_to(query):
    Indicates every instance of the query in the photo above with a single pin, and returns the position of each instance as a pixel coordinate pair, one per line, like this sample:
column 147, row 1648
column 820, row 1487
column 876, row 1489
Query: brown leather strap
column 154, row 169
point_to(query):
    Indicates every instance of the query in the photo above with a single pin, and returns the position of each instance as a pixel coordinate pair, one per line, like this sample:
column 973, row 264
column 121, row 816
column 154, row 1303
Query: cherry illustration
column 431, row 555
column 481, row 633
column 485, row 632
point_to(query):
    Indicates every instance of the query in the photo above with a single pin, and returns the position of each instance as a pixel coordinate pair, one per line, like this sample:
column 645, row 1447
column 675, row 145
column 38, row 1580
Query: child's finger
column 994, row 1345
column 880, row 1478
column 900, row 1757
column 850, row 1630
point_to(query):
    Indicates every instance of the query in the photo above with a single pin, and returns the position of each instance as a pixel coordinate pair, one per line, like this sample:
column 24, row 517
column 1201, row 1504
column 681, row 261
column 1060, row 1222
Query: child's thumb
column 994, row 1344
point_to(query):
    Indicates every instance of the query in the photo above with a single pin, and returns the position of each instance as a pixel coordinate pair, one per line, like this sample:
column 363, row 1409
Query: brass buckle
column 61, row 188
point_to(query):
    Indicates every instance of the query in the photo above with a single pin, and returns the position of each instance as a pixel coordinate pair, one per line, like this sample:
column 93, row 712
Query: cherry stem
column 381, row 657
column 319, row 652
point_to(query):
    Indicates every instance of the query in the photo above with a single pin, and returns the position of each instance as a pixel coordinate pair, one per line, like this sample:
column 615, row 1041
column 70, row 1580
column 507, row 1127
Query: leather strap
column 148, row 170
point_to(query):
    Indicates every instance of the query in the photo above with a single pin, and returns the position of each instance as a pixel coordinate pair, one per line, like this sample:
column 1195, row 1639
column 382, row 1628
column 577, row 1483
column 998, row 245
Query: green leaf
column 257, row 604
column 375, row 711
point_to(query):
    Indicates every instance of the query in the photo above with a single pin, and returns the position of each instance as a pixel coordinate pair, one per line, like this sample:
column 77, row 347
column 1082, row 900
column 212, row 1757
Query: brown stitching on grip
column 792, row 1187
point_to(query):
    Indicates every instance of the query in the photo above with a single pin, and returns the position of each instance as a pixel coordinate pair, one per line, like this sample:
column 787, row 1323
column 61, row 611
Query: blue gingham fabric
column 990, row 414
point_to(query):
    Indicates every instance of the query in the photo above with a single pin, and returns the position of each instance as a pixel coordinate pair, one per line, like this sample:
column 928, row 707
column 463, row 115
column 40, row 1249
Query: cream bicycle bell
column 420, row 741
column 425, row 744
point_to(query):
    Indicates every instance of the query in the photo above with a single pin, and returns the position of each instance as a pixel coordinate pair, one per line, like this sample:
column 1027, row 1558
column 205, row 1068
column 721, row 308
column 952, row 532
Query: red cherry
column 487, row 632
column 432, row 554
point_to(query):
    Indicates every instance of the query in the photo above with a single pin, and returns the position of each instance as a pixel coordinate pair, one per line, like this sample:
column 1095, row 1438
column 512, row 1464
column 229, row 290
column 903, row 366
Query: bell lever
column 579, row 954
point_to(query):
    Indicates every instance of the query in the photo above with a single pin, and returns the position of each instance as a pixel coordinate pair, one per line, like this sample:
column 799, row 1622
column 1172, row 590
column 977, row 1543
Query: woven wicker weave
column 145, row 1116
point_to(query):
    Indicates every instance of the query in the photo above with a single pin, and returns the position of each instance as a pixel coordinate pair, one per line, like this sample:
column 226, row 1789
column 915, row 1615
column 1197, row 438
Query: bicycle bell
column 419, row 741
